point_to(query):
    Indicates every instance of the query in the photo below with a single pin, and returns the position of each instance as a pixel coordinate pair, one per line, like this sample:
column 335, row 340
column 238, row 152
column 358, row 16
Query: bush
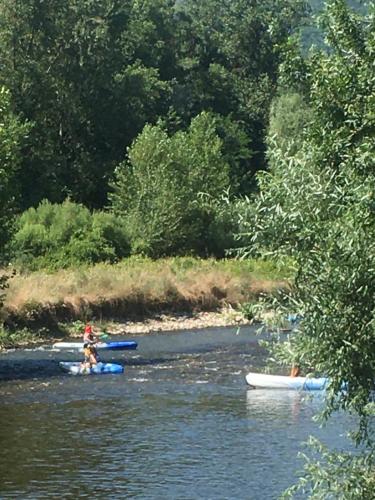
column 59, row 236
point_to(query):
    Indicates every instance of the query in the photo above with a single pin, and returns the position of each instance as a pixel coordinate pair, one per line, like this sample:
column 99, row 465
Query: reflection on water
column 180, row 423
column 282, row 405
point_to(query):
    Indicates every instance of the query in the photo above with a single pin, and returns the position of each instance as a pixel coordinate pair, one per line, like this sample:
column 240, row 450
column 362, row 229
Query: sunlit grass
column 170, row 283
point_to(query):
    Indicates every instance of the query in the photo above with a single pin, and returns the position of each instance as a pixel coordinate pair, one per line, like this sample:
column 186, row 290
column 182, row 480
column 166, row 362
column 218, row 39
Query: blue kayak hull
column 77, row 368
column 120, row 345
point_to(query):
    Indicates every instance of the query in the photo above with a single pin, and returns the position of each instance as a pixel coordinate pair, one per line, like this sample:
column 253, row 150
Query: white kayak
column 77, row 368
column 122, row 345
column 265, row 381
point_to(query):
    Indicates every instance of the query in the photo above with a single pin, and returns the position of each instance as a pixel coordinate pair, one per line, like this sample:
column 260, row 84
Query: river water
column 179, row 423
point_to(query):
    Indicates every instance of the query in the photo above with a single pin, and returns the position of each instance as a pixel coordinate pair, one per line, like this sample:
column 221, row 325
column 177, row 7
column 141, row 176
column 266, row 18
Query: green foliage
column 74, row 73
column 3, row 286
column 157, row 189
column 12, row 134
column 55, row 236
column 230, row 53
column 222, row 224
column 312, row 35
column 249, row 311
column 335, row 475
column 9, row 339
column 289, row 117
column 237, row 152
column 317, row 206
column 90, row 75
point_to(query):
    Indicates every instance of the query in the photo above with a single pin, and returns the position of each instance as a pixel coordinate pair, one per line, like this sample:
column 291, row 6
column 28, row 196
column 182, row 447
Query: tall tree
column 70, row 74
column 230, row 52
column 157, row 188
column 90, row 74
column 12, row 134
column 317, row 206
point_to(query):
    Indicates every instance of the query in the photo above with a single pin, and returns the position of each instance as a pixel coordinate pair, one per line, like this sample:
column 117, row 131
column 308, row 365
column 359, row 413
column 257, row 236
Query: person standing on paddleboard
column 89, row 349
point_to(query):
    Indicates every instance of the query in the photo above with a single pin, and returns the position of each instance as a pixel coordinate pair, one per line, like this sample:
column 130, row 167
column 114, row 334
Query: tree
column 73, row 73
column 289, row 116
column 317, row 206
column 90, row 75
column 157, row 188
column 311, row 34
column 12, row 135
column 229, row 54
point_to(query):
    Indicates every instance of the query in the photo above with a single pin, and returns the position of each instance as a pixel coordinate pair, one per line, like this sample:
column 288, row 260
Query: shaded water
column 180, row 423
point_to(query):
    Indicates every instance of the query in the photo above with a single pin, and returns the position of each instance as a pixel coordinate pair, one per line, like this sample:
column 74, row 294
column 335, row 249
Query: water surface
column 180, row 423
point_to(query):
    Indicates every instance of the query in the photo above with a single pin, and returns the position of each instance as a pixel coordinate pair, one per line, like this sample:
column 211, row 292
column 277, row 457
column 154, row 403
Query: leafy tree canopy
column 12, row 136
column 317, row 206
column 157, row 188
column 89, row 76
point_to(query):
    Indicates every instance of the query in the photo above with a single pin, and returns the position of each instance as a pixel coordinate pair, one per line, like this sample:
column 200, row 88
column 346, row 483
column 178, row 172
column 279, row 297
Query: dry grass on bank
column 139, row 285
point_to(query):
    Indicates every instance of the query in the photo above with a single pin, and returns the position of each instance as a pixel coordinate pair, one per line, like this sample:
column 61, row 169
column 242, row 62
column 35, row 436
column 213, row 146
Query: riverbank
column 136, row 296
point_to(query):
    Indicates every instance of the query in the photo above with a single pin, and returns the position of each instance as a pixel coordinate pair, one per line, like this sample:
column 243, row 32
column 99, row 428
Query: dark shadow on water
column 28, row 369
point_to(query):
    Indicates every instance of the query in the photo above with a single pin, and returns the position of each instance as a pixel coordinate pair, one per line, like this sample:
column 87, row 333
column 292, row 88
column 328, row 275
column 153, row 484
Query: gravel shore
column 182, row 321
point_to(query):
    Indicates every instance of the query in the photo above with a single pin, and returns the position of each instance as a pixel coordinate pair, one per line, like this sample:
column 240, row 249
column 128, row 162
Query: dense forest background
column 154, row 113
